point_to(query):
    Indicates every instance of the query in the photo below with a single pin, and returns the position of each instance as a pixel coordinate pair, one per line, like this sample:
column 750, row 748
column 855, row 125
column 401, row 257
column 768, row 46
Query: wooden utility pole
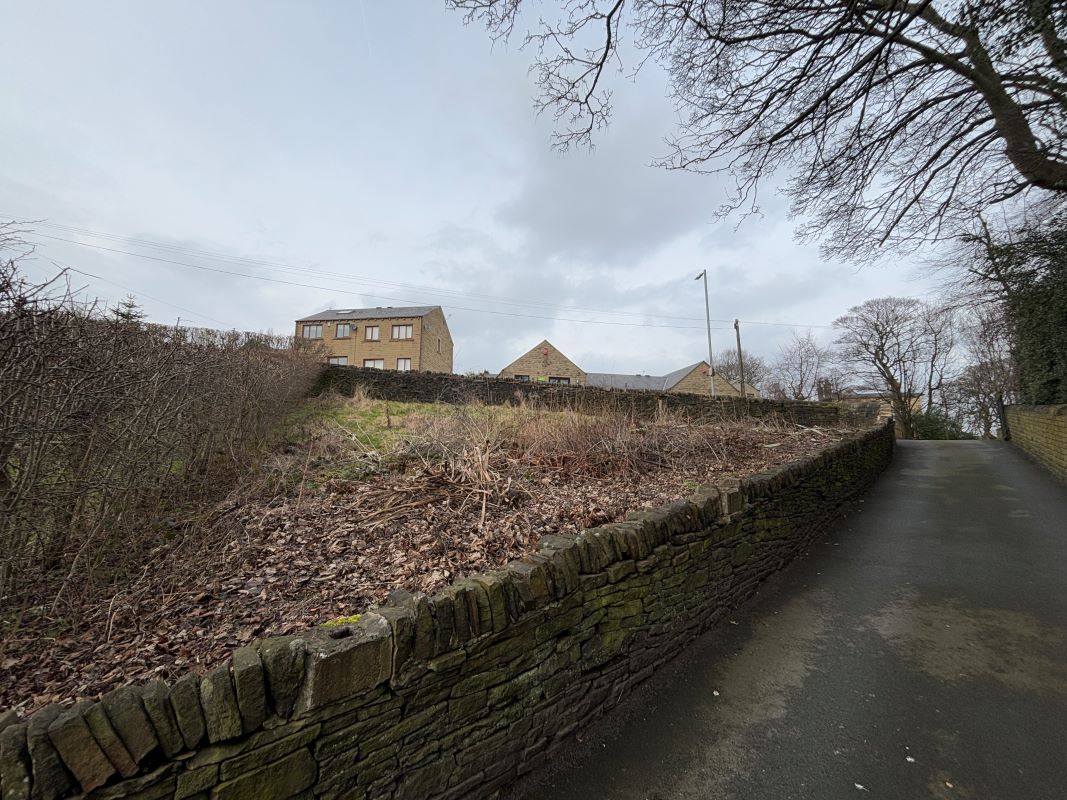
column 740, row 360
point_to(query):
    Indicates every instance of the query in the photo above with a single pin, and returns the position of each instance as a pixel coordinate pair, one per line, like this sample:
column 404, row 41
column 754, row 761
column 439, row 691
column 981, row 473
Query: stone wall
column 426, row 387
column 435, row 347
column 450, row 696
column 1042, row 432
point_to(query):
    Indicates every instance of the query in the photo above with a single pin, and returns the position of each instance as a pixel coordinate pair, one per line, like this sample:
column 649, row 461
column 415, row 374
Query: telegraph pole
column 707, row 316
column 740, row 360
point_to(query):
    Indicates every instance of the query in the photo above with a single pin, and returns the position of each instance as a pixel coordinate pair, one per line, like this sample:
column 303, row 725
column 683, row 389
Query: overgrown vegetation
column 1037, row 310
column 116, row 436
column 358, row 497
column 935, row 424
column 1015, row 272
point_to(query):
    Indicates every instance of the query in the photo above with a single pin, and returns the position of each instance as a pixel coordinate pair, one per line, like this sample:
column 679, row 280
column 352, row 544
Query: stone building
column 545, row 363
column 400, row 338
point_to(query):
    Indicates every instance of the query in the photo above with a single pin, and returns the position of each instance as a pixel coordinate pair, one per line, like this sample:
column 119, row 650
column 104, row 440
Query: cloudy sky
column 240, row 165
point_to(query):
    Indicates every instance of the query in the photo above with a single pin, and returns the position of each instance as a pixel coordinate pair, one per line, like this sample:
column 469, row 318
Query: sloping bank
column 452, row 696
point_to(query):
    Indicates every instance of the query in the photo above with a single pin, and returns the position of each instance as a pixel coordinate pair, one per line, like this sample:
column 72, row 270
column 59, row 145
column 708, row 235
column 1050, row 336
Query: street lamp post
column 707, row 316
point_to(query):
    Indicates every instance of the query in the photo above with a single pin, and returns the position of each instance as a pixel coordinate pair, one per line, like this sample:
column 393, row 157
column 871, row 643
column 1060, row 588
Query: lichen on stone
column 338, row 621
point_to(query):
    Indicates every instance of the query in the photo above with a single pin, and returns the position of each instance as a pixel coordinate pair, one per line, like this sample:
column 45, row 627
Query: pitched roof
column 381, row 312
column 545, row 347
column 659, row 383
column 672, row 378
column 609, row 380
column 650, row 383
column 655, row 383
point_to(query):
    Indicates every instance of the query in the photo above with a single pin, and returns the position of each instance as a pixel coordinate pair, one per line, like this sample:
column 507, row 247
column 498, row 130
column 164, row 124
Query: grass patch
column 374, row 424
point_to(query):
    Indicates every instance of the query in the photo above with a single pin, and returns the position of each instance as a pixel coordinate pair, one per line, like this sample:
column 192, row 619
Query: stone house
column 395, row 338
column 545, row 363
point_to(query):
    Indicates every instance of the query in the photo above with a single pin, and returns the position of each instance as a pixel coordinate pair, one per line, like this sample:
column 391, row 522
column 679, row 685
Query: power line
column 284, row 267
column 196, row 314
column 364, row 294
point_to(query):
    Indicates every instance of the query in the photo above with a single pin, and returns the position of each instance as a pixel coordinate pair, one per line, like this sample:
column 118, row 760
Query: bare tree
column 800, row 364
column 1015, row 268
column 900, row 348
column 997, row 255
column 756, row 369
column 897, row 119
column 938, row 324
column 988, row 381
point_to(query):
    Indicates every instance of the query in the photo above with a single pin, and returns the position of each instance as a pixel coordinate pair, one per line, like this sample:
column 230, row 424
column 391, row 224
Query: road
column 919, row 652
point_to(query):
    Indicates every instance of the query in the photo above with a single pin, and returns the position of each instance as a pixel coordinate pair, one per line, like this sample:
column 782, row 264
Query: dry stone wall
column 429, row 387
column 450, row 696
column 1042, row 432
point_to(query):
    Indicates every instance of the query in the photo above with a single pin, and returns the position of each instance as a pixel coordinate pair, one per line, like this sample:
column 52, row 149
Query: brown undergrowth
column 361, row 497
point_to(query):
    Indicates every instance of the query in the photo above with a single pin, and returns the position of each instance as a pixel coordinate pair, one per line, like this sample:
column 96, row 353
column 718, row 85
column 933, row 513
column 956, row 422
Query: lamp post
column 707, row 316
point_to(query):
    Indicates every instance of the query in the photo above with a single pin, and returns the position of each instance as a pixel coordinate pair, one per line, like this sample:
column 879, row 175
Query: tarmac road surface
column 919, row 652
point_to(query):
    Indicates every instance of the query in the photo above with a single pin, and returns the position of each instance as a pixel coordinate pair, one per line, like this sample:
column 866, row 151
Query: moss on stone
column 339, row 621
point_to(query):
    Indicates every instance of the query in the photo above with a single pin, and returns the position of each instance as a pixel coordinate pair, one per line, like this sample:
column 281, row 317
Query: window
column 338, row 361
column 560, row 381
column 344, row 330
column 313, row 331
column 438, row 345
column 372, row 333
column 403, row 332
column 403, row 365
column 523, row 378
column 374, row 363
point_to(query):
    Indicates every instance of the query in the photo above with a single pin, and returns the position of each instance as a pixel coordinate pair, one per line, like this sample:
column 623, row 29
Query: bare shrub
column 114, row 432
column 490, row 449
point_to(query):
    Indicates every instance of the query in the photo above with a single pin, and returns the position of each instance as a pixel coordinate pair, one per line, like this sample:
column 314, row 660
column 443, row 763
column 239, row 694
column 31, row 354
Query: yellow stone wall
column 435, row 343
column 1042, row 432
column 696, row 382
column 356, row 347
column 542, row 362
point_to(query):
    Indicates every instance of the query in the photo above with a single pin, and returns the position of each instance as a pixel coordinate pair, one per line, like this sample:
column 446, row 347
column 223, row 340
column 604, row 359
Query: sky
column 244, row 164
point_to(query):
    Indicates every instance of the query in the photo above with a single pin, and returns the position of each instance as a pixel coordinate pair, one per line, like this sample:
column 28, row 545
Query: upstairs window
column 344, row 330
column 403, row 332
column 372, row 333
column 560, row 381
column 438, row 345
column 374, row 363
column 338, row 361
column 313, row 331
column 523, row 378
column 403, row 365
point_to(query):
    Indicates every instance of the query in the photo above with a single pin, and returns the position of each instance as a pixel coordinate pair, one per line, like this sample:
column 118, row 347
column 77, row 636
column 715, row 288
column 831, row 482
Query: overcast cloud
column 385, row 142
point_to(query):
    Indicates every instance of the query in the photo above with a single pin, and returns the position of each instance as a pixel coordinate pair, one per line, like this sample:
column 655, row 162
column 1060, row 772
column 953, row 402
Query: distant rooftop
column 655, row 383
column 380, row 312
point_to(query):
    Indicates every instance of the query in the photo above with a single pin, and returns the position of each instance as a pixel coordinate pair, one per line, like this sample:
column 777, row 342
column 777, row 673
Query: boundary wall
column 451, row 696
column 1042, row 432
column 433, row 387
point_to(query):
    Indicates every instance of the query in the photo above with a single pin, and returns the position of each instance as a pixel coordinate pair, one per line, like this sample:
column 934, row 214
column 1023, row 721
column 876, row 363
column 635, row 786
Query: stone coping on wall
column 450, row 696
